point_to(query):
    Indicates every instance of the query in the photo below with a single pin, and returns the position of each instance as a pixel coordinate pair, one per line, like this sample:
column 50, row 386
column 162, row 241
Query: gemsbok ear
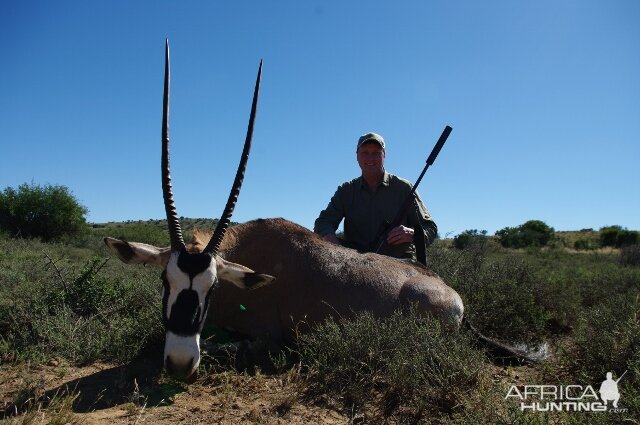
column 138, row 253
column 241, row 276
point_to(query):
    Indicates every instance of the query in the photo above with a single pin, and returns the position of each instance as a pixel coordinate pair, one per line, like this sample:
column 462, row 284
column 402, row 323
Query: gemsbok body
column 306, row 280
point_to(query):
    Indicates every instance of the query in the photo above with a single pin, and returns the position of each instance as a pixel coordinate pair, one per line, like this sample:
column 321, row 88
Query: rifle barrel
column 618, row 380
column 439, row 145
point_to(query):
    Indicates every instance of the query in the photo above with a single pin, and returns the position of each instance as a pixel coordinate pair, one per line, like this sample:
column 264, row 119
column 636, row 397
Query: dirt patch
column 139, row 393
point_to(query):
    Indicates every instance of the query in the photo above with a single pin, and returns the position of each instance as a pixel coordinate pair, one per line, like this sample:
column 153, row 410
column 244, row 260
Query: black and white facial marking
column 188, row 281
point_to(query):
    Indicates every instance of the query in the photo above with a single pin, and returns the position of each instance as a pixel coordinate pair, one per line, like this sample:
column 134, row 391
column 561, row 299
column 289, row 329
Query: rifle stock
column 381, row 241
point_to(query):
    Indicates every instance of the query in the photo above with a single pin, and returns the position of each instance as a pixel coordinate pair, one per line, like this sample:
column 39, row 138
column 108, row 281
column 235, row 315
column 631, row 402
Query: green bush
column 466, row 238
column 45, row 212
column 618, row 237
column 630, row 255
column 626, row 238
column 503, row 302
column 531, row 233
column 80, row 309
column 607, row 339
column 608, row 235
column 500, row 294
column 584, row 245
column 417, row 366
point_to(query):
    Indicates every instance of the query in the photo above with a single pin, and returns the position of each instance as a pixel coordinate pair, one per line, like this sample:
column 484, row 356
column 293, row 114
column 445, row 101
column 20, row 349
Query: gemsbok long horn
column 218, row 234
column 177, row 243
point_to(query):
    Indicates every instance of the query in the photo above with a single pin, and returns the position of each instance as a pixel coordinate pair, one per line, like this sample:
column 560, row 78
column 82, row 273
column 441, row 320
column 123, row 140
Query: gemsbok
column 307, row 280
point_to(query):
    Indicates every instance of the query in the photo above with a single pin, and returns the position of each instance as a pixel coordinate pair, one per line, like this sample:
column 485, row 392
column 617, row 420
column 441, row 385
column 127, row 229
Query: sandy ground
column 138, row 393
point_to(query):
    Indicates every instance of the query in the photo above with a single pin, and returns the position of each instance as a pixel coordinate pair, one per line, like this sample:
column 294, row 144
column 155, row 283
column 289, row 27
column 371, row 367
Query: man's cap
column 370, row 137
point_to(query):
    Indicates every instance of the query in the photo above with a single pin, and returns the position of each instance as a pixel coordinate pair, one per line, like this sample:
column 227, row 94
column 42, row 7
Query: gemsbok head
column 190, row 278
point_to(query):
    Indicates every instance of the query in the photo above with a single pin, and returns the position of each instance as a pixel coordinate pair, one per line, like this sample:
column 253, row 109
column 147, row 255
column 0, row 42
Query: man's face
column 371, row 158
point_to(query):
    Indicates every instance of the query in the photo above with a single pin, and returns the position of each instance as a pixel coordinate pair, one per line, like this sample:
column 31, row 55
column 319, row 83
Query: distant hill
column 585, row 238
column 187, row 224
column 153, row 232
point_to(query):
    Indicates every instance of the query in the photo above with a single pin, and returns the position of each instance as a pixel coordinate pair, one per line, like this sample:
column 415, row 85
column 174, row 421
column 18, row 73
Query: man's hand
column 331, row 237
column 400, row 234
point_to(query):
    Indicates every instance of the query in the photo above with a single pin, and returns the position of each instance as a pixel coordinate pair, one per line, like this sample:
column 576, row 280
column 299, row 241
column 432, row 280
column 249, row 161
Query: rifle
column 618, row 380
column 381, row 239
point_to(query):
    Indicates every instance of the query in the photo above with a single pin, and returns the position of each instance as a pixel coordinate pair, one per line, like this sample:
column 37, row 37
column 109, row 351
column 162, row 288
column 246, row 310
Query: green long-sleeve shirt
column 366, row 212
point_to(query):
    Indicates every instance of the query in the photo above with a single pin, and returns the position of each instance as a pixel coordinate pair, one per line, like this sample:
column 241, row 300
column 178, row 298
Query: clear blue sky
column 543, row 97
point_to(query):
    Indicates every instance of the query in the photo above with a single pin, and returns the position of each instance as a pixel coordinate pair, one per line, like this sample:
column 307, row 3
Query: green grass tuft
column 411, row 365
